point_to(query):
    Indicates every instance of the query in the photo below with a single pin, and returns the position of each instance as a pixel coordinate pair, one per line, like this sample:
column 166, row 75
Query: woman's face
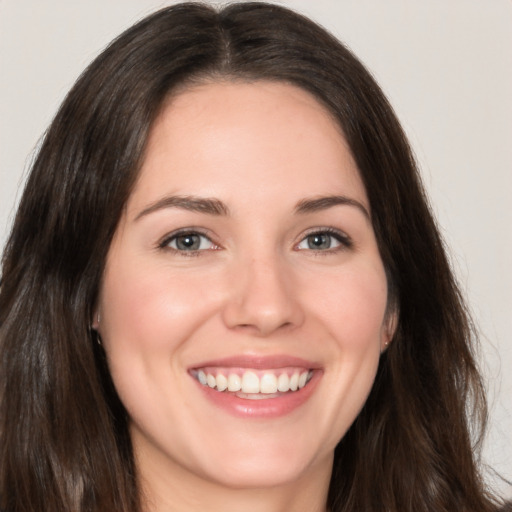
column 243, row 301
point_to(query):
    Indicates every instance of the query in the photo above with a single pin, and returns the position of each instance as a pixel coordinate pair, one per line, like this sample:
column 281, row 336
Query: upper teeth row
column 251, row 383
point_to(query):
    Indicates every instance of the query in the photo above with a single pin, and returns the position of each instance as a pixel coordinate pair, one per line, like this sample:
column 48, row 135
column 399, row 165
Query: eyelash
column 340, row 237
column 164, row 244
column 344, row 240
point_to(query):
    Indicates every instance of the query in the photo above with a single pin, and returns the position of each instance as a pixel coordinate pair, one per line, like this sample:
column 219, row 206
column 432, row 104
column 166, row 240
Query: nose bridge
column 261, row 296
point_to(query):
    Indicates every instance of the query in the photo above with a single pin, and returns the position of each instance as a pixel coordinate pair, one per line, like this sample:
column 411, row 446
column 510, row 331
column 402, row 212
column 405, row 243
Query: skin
column 256, row 286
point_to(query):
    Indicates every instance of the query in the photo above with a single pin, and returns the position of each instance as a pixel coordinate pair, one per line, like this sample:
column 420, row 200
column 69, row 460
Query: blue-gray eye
column 189, row 242
column 322, row 241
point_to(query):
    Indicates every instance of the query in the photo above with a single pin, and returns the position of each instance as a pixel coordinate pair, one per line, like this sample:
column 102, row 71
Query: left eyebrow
column 316, row 204
column 209, row 206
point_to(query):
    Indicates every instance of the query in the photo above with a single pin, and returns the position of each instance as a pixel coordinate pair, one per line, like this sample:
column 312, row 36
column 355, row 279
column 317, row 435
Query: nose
column 262, row 297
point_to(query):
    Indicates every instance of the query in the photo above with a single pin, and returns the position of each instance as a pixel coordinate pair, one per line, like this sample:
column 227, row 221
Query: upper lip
column 259, row 362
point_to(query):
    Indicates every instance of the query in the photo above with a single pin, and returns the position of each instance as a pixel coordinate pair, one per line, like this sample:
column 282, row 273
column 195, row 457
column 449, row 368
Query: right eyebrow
column 210, row 206
column 316, row 204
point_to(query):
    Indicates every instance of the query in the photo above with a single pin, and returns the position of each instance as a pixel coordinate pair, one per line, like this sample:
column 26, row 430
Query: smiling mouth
column 253, row 384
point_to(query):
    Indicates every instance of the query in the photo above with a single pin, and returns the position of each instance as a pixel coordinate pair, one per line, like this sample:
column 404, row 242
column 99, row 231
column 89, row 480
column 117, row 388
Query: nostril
column 261, row 303
column 263, row 328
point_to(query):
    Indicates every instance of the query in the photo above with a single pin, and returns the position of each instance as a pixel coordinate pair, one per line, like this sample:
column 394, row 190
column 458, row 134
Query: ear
column 95, row 324
column 388, row 330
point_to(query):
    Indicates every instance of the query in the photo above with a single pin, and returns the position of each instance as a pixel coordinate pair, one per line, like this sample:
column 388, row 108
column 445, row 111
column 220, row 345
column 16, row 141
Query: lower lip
column 262, row 408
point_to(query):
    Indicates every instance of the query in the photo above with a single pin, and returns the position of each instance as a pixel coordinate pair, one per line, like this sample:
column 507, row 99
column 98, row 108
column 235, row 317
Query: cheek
column 352, row 305
column 148, row 314
column 347, row 310
column 150, row 307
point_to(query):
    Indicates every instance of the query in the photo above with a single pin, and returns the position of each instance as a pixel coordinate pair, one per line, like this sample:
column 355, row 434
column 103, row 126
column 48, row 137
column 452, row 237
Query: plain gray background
column 446, row 67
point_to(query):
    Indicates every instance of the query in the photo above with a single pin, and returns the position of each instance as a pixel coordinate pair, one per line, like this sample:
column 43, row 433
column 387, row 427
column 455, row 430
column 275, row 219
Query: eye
column 189, row 241
column 324, row 240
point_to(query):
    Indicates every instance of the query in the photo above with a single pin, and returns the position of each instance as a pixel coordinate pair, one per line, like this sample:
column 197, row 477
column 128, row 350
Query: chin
column 275, row 464
column 258, row 474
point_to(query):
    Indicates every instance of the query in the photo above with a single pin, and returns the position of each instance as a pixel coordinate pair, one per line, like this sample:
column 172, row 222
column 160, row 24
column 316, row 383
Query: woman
column 224, row 289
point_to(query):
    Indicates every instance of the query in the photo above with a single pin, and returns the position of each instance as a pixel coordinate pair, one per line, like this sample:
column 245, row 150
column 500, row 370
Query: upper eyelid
column 166, row 239
column 327, row 230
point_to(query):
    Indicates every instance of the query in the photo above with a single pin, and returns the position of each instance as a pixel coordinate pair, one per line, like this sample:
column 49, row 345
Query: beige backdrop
column 447, row 68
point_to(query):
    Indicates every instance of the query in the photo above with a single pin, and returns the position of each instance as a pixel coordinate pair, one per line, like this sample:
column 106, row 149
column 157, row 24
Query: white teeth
column 222, row 382
column 234, row 382
column 283, row 383
column 211, row 381
column 294, row 382
column 250, row 383
column 303, row 379
column 268, row 383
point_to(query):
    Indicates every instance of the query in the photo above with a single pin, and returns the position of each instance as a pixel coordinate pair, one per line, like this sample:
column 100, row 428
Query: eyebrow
column 212, row 206
column 206, row 205
column 324, row 202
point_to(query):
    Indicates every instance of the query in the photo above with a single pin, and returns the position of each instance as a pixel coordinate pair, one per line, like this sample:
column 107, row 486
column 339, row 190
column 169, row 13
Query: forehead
column 247, row 139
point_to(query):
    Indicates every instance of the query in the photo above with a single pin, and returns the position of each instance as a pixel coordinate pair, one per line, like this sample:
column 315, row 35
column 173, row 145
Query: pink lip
column 265, row 408
column 257, row 362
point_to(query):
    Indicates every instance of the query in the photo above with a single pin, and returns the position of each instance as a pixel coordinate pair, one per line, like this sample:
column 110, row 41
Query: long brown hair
column 64, row 433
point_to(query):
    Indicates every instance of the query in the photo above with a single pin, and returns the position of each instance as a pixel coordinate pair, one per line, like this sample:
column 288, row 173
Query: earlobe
column 385, row 344
column 389, row 329
column 95, row 325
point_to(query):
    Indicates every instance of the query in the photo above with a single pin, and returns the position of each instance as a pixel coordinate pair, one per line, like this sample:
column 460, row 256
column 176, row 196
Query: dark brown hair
column 64, row 433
